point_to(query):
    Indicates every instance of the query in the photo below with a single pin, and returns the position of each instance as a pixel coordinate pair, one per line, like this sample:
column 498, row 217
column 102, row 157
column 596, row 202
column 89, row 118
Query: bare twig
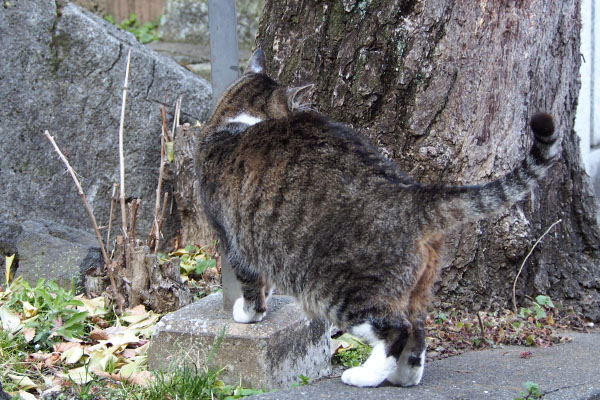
column 113, row 200
column 82, row 195
column 514, row 288
column 154, row 237
column 162, row 218
column 176, row 120
column 133, row 210
column 155, row 233
column 121, row 154
column 481, row 327
column 89, row 211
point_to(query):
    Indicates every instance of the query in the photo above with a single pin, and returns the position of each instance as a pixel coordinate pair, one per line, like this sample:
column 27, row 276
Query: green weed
column 144, row 33
column 352, row 351
column 50, row 310
column 533, row 392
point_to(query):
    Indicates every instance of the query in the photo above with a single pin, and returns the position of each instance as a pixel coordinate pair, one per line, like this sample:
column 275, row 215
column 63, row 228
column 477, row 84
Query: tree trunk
column 445, row 89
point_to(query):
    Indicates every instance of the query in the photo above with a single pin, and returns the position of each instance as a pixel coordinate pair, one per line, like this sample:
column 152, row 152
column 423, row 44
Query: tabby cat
column 307, row 205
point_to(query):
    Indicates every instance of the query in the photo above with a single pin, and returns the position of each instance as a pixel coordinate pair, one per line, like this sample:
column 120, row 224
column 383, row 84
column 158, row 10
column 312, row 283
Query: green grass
column 190, row 383
column 13, row 351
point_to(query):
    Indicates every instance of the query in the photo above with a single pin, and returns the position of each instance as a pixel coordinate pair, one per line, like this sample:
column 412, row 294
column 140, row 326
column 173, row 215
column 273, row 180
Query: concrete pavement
column 569, row 371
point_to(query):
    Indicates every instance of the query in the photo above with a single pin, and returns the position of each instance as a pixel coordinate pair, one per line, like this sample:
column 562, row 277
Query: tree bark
column 182, row 174
column 445, row 88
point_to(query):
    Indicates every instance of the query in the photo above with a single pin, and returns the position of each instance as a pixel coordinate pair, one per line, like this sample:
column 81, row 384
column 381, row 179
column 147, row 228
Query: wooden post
column 224, row 69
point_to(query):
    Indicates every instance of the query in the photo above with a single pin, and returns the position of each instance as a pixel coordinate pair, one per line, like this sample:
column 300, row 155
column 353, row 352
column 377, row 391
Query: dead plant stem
column 155, row 233
column 113, row 199
column 483, row 338
column 121, row 153
column 514, row 288
column 162, row 218
column 82, row 195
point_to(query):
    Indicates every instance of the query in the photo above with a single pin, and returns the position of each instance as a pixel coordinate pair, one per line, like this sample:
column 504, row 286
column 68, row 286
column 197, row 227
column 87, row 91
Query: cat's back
column 321, row 148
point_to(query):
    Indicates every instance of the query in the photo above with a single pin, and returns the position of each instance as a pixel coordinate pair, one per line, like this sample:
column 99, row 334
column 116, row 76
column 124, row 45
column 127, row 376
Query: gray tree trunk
column 445, row 88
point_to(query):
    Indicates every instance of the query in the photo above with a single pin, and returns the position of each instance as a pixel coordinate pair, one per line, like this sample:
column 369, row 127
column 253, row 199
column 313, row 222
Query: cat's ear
column 297, row 97
column 257, row 63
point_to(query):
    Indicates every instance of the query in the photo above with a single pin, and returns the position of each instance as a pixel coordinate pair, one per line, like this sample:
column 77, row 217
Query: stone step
column 268, row 354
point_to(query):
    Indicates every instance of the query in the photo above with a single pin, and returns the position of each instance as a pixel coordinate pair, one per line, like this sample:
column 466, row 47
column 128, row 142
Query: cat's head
column 255, row 97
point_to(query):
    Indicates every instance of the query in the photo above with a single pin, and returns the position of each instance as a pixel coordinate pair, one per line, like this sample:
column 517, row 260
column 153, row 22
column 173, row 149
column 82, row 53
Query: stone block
column 268, row 354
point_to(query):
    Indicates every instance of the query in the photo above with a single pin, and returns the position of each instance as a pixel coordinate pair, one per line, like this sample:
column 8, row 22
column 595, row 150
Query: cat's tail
column 453, row 205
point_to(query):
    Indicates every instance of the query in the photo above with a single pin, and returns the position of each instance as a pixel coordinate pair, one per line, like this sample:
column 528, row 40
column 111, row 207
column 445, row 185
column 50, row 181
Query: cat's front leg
column 246, row 313
column 252, row 306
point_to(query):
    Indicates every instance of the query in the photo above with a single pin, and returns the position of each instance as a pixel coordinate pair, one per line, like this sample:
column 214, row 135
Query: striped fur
column 310, row 206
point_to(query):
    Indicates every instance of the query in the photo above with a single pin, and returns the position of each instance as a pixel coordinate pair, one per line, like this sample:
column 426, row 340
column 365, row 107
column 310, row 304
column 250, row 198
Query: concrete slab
column 567, row 371
column 268, row 354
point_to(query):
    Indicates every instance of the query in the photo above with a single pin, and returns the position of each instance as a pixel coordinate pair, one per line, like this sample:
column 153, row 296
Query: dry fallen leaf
column 29, row 334
column 80, row 376
column 10, row 321
column 98, row 334
column 141, row 378
column 94, row 307
column 23, row 382
column 140, row 309
column 26, row 396
column 29, row 310
column 64, row 346
column 72, row 355
column 52, row 360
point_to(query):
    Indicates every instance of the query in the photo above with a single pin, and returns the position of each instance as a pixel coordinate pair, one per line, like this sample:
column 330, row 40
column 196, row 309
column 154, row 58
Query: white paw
column 270, row 294
column 362, row 377
column 406, row 374
column 374, row 371
column 244, row 316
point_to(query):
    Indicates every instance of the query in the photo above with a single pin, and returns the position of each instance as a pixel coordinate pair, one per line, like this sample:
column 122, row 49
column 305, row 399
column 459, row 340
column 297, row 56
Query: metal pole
column 224, row 61
column 224, row 69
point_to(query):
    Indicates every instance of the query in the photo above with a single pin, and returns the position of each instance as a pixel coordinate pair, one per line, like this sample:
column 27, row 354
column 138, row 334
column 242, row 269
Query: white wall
column 587, row 122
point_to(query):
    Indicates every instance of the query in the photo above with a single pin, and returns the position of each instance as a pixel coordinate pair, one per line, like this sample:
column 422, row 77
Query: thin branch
column 121, row 154
column 154, row 237
column 481, row 327
column 514, row 288
column 113, row 200
column 177, row 116
column 89, row 211
column 162, row 218
column 154, row 233
column 133, row 210
column 82, row 195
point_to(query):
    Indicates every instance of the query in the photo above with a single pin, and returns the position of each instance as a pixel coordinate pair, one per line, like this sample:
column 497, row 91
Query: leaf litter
column 75, row 339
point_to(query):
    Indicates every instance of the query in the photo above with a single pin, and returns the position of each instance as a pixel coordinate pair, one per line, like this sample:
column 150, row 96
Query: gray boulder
column 51, row 251
column 63, row 70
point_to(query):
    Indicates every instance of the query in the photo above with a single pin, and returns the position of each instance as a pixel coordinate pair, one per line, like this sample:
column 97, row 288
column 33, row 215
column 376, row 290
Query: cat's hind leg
column 387, row 339
column 411, row 363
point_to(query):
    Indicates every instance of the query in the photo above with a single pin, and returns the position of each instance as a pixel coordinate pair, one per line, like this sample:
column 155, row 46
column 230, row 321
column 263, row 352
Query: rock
column 187, row 21
column 51, row 251
column 3, row 394
column 267, row 354
column 63, row 70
